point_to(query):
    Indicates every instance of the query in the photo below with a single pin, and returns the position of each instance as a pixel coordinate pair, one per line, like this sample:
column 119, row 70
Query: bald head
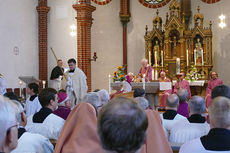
column 219, row 113
column 182, row 94
column 197, row 105
column 172, row 101
column 122, row 126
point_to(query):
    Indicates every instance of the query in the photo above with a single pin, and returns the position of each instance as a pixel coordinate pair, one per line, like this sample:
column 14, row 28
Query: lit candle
column 109, row 84
column 20, row 89
column 202, row 56
column 43, row 84
column 156, row 75
column 195, row 57
column 153, row 78
column 150, row 62
column 155, row 58
column 187, row 57
column 162, row 58
column 143, row 81
column 177, row 65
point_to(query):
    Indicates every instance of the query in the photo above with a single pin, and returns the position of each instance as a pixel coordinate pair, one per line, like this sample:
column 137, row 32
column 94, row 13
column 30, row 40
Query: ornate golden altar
column 174, row 40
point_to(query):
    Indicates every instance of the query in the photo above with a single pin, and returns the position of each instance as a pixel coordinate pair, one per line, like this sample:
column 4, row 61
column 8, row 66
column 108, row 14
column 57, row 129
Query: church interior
column 172, row 52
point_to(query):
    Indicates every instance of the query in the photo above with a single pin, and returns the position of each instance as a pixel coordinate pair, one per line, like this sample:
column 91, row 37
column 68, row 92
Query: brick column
column 84, row 22
column 43, row 10
column 125, row 17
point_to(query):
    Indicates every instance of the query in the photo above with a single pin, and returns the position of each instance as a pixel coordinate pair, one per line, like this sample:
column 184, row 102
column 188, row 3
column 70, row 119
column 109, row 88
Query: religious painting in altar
column 175, row 48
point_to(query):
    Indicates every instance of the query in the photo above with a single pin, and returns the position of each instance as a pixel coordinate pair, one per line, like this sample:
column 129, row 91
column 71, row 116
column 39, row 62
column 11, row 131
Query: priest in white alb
column 75, row 83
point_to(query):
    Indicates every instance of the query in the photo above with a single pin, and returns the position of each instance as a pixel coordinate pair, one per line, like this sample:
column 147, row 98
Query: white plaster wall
column 60, row 17
column 18, row 27
column 107, row 42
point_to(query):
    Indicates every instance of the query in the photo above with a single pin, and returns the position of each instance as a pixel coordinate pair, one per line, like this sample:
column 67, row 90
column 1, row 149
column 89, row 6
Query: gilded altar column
column 43, row 10
column 84, row 22
column 125, row 18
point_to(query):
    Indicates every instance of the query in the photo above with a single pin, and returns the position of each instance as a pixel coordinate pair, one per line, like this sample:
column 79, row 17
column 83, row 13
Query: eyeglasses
column 8, row 130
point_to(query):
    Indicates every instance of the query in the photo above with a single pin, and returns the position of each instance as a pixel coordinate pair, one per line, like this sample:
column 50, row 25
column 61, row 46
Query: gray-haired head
column 219, row 113
column 7, row 117
column 142, row 102
column 182, row 94
column 92, row 98
column 104, row 95
column 197, row 105
column 172, row 101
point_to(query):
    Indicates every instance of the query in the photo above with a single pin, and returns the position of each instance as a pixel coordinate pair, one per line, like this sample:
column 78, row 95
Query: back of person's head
column 96, row 90
column 122, row 126
column 46, row 95
column 142, row 102
column 11, row 96
column 221, row 90
column 72, row 60
column 182, row 94
column 139, row 92
column 34, row 87
column 172, row 101
column 104, row 95
column 8, row 122
column 197, row 105
column 219, row 113
column 92, row 98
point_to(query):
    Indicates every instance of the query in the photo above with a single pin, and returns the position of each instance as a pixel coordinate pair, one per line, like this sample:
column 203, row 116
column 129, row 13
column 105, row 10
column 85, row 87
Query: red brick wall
column 43, row 10
column 210, row 1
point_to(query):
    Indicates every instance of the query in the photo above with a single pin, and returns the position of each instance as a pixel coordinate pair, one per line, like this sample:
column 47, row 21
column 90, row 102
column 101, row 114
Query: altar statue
column 146, row 70
column 199, row 49
column 173, row 46
column 156, row 51
column 163, row 94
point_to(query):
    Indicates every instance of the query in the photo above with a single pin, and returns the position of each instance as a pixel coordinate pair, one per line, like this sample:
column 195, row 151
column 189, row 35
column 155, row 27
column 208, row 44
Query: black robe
column 56, row 72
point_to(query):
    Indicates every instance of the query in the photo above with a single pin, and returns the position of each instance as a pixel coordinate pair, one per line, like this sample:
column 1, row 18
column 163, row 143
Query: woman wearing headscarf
column 79, row 134
column 156, row 141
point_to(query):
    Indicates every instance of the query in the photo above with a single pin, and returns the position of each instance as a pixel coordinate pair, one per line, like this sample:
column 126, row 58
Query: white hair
column 197, row 105
column 7, row 117
column 104, row 95
column 19, row 110
column 92, row 98
column 144, row 60
column 219, row 112
column 142, row 102
column 126, row 87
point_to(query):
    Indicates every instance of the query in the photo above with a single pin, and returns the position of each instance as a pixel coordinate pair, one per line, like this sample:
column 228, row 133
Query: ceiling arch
column 154, row 3
column 101, row 2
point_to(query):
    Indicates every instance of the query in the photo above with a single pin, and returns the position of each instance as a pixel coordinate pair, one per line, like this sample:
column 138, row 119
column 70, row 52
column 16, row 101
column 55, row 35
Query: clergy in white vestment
column 170, row 117
column 75, row 85
column 2, row 85
column 32, row 103
column 56, row 76
column 193, row 127
column 218, row 138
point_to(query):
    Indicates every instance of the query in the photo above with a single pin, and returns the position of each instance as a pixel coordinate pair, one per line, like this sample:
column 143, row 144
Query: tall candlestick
column 202, row 56
column 20, row 89
column 43, row 84
column 143, row 81
column 177, row 65
column 153, row 78
column 150, row 62
column 187, row 58
column 156, row 75
column 109, row 84
column 195, row 57
column 162, row 58
column 155, row 58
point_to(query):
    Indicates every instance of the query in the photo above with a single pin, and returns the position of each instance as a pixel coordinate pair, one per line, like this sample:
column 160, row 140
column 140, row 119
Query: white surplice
column 32, row 107
column 33, row 143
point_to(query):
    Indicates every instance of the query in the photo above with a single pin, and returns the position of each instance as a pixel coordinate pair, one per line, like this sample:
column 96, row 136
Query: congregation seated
column 32, row 105
column 218, row 138
column 142, row 102
column 170, row 116
column 139, row 92
column 183, row 104
column 8, row 125
column 122, row 126
column 45, row 122
column 193, row 127
column 64, row 105
column 79, row 133
column 94, row 99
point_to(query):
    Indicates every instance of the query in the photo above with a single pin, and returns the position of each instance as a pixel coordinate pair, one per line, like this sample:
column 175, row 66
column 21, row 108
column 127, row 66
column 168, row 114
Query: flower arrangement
column 119, row 75
column 193, row 75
